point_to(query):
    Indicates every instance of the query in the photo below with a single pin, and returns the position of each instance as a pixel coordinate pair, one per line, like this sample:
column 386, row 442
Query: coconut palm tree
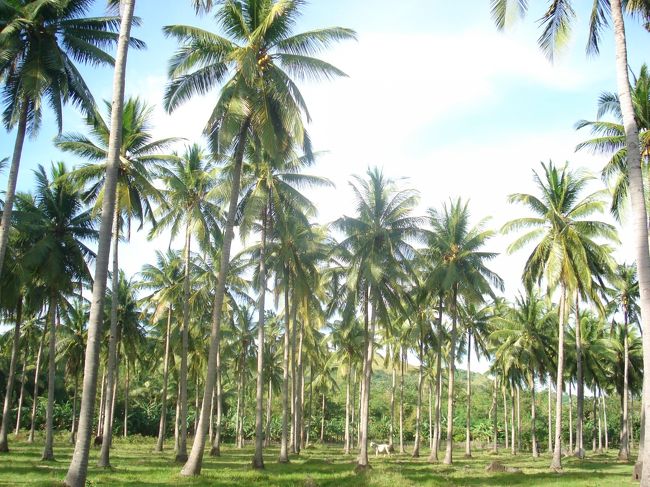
column 556, row 23
column 260, row 55
column 566, row 251
column 40, row 45
column 461, row 270
column 76, row 475
column 58, row 229
column 378, row 250
column 189, row 183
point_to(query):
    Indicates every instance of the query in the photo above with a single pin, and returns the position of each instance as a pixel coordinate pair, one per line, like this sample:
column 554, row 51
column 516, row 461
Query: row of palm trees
column 259, row 119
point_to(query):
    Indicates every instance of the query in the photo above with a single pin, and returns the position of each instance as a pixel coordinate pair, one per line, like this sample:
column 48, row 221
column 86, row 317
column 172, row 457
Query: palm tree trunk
column 605, row 424
column 433, row 456
column 215, row 451
column 73, row 430
column 6, row 410
column 550, row 417
column 107, row 437
column 353, row 412
column 258, row 458
column 580, row 386
column 267, row 428
column 37, row 370
column 533, row 417
column 300, row 391
column 177, row 417
column 600, row 425
column 624, row 450
column 450, row 383
column 311, row 395
column 391, row 432
column 468, row 423
column 418, row 409
column 194, row 462
column 518, row 391
column 22, row 394
column 556, row 462
column 570, row 418
column 48, row 450
column 594, row 430
column 284, row 450
column 347, row 412
column 162, row 429
column 76, row 476
column 638, row 209
column 294, row 382
column 495, row 407
column 10, row 194
column 100, row 422
column 365, row 403
column 322, row 420
column 505, row 416
column 238, row 442
column 126, row 401
column 513, row 445
column 401, row 401
column 430, row 415
column 197, row 406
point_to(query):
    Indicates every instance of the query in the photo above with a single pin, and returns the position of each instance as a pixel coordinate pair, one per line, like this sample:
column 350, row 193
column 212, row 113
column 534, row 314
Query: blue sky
column 435, row 95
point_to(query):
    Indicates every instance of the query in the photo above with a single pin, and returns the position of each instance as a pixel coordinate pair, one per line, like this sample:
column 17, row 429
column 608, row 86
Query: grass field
column 135, row 464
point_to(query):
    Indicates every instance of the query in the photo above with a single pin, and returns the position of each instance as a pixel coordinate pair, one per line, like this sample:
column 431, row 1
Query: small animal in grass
column 381, row 448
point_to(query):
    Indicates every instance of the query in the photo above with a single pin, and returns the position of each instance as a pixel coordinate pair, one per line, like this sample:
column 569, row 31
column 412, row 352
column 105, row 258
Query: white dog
column 381, row 448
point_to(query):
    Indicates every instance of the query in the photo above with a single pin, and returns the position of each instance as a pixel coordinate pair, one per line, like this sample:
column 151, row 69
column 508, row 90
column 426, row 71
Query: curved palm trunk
column 533, row 417
column 195, row 460
column 76, row 476
column 258, row 458
column 624, row 450
column 48, row 450
column 362, row 462
column 639, row 213
column 468, row 423
column 580, row 388
column 215, row 451
column 450, row 384
column 10, row 194
column 162, row 429
column 556, row 462
column 433, row 456
column 418, row 410
column 181, row 453
column 6, row 409
column 284, row 440
column 22, row 394
column 111, row 379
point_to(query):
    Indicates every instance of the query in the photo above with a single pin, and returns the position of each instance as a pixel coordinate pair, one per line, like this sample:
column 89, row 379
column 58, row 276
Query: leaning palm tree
column 377, row 248
column 58, row 229
column 260, row 54
column 135, row 195
column 78, row 470
column 556, row 23
column 457, row 249
column 566, row 254
column 40, row 42
column 189, row 182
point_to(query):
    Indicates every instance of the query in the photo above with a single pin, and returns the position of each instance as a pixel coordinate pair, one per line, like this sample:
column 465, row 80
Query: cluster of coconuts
column 263, row 61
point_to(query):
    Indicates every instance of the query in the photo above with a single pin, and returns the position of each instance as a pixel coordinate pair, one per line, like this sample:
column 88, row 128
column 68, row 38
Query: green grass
column 136, row 464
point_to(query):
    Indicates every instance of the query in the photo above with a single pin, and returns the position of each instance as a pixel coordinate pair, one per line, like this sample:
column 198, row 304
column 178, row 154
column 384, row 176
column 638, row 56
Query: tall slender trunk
column 294, row 381
column 518, row 391
column 430, row 415
column 73, row 429
column 594, row 430
column 76, row 476
column 258, row 458
column 126, row 401
column 300, row 390
column 570, row 418
column 638, row 208
column 347, row 411
column 37, row 370
column 418, row 410
column 322, row 420
column 215, row 451
column 580, row 386
column 450, row 384
column 401, row 400
column 162, row 429
column 365, row 403
column 48, row 450
column 353, row 412
column 468, row 422
column 533, row 417
column 238, row 431
column 495, row 407
column 600, row 425
column 624, row 450
column 6, row 410
column 22, row 393
column 513, row 444
column 311, row 395
column 267, row 428
column 605, row 423
column 195, row 460
column 391, row 432
column 102, row 391
column 505, row 416
column 550, row 417
column 556, row 462
column 10, row 194
column 197, row 406
column 433, row 456
column 107, row 437
column 177, row 417
column 284, row 440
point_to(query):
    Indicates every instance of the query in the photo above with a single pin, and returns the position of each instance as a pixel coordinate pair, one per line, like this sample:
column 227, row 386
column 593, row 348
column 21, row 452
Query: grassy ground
column 136, row 464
